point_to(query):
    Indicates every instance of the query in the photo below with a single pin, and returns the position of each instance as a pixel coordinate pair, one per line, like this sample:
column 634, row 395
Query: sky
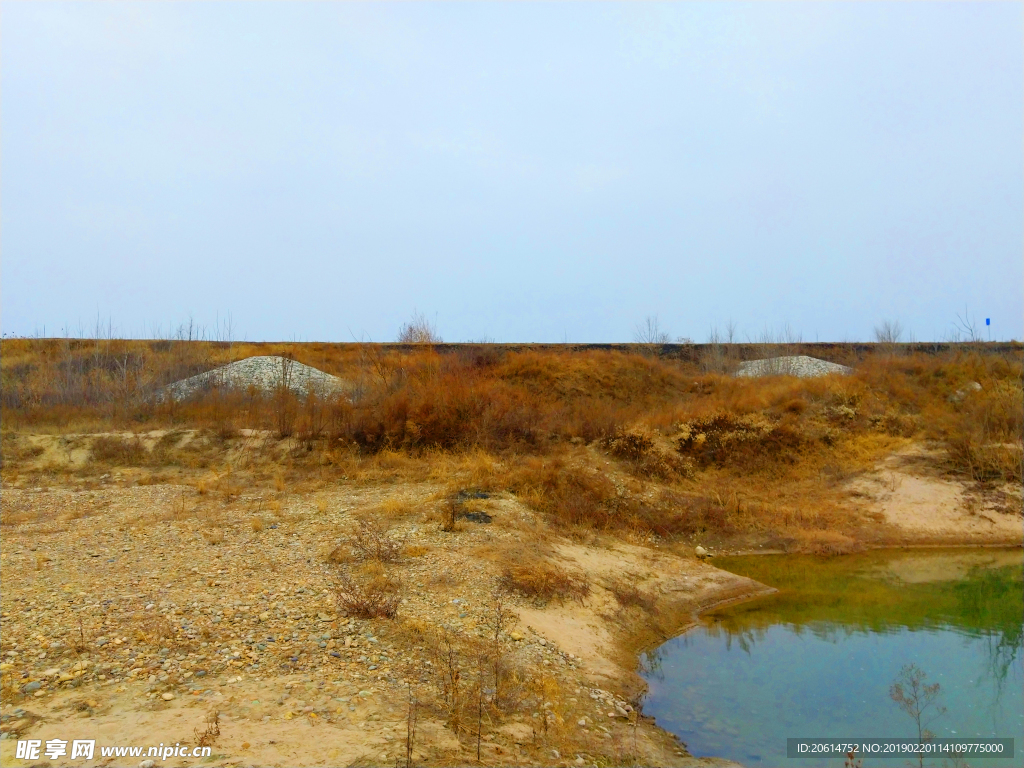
column 515, row 172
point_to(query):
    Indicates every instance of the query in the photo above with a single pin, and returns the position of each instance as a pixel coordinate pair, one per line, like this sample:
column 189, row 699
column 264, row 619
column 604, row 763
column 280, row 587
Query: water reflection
column 816, row 659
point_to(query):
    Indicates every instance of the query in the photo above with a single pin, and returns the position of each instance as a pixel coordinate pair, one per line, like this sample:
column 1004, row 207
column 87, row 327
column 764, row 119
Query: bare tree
column 889, row 332
column 718, row 354
column 965, row 328
column 650, row 332
column 888, row 335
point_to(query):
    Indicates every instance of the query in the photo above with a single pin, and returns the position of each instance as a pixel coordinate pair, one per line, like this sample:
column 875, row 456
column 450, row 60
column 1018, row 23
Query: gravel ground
column 799, row 365
column 112, row 568
column 264, row 372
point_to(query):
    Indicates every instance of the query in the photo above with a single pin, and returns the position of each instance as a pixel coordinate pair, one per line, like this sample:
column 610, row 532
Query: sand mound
column 798, row 365
column 265, row 373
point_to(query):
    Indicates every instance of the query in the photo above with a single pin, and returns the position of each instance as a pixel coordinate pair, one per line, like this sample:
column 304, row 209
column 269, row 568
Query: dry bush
column 372, row 540
column 452, row 667
column 570, row 495
column 419, row 330
column 639, row 449
column 370, row 594
column 984, row 434
column 154, row 627
column 16, row 450
column 388, row 510
column 119, row 451
column 543, row 581
column 749, row 440
column 213, row 535
column 450, row 515
column 211, row 732
column 826, row 543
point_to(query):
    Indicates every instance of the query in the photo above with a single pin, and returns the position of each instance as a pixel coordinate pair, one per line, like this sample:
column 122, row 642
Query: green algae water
column 817, row 659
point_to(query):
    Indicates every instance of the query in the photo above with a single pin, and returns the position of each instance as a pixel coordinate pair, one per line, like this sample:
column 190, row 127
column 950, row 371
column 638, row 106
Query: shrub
column 727, row 438
column 644, row 457
column 372, row 595
column 373, row 541
column 120, row 451
column 543, row 581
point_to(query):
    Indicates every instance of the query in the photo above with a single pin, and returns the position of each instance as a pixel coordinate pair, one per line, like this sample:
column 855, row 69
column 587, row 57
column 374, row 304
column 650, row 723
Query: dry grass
column 644, row 457
column 543, row 581
column 692, row 451
column 371, row 540
column 368, row 593
column 629, row 595
column 119, row 451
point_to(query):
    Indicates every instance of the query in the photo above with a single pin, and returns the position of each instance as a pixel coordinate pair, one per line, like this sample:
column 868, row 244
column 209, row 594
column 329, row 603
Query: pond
column 818, row 658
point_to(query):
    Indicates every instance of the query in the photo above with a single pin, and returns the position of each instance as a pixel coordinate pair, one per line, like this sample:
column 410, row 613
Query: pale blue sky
column 518, row 172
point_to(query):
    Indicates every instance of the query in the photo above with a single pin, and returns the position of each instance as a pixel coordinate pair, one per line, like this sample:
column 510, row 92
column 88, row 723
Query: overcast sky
column 515, row 171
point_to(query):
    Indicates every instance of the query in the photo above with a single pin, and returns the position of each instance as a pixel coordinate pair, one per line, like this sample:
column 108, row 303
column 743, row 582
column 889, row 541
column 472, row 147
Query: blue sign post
column 988, row 324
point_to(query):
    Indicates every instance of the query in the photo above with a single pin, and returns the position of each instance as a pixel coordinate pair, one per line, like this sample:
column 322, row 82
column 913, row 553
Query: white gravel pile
column 796, row 365
column 264, row 372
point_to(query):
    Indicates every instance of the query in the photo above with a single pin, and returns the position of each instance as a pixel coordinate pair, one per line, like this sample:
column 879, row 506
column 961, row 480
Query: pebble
column 167, row 696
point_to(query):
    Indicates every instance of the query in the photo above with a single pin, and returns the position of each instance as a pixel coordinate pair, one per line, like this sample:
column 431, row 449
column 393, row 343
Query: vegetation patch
column 543, row 581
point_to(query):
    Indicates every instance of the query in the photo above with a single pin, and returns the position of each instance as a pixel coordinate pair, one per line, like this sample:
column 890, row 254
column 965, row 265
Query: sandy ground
column 922, row 506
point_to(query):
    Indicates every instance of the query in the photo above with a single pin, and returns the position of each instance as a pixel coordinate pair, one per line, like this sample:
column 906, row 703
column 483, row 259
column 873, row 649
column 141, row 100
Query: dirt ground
column 134, row 613
column 96, row 579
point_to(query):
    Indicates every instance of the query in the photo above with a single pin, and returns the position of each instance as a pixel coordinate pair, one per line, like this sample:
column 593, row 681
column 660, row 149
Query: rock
column 554, row 754
column 542, row 641
column 964, row 391
column 52, row 672
column 35, row 685
column 147, row 764
column 582, row 722
column 700, row 552
column 516, row 636
column 365, row 694
column 167, row 696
